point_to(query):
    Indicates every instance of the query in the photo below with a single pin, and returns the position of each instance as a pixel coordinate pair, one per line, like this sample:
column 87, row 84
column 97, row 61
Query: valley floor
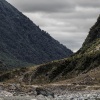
column 81, row 95
column 61, row 92
column 84, row 87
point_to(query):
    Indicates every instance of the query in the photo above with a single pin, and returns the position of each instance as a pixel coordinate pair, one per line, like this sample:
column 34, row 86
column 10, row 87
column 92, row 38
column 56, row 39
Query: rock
column 41, row 97
column 44, row 92
column 5, row 93
column 1, row 99
column 12, row 87
column 1, row 88
column 33, row 99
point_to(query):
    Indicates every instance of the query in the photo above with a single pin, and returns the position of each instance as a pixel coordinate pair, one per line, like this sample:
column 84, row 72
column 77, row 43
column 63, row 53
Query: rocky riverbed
column 61, row 92
column 80, row 95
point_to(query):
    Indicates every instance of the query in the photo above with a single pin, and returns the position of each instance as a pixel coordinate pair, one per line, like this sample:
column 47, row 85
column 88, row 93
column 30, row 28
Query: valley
column 35, row 66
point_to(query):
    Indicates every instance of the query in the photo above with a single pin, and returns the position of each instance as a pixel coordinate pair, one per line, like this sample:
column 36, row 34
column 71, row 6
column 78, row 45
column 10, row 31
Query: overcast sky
column 68, row 21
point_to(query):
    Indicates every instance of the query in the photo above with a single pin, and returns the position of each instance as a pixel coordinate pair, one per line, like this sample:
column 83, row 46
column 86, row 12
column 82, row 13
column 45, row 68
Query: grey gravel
column 75, row 95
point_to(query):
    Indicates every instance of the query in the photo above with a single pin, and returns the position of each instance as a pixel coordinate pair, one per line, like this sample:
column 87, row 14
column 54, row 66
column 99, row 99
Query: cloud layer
column 68, row 21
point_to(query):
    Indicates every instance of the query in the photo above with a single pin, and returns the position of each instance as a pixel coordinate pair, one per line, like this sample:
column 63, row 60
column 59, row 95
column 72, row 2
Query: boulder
column 44, row 92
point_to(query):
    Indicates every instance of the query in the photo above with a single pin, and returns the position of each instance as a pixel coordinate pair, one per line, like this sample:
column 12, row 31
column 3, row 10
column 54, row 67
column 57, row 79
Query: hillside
column 85, row 60
column 22, row 43
column 84, row 66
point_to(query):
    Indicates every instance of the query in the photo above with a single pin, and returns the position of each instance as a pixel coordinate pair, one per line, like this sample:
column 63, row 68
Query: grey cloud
column 72, row 40
column 52, row 6
column 43, row 5
column 88, row 3
column 76, row 14
column 73, row 45
column 70, row 32
column 68, row 21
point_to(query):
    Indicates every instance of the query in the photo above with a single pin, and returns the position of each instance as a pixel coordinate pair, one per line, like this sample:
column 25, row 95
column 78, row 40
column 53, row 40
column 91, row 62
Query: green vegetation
column 59, row 69
column 18, row 48
column 86, row 59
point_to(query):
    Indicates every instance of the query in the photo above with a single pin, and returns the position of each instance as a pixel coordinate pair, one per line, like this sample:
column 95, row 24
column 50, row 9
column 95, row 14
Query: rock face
column 22, row 42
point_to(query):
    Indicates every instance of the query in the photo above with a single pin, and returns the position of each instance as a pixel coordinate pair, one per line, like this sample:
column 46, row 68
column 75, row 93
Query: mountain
column 85, row 63
column 94, row 33
column 23, row 43
column 82, row 67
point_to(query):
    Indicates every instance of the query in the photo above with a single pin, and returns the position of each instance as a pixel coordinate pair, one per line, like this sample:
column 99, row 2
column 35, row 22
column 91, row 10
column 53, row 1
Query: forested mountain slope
column 22, row 42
